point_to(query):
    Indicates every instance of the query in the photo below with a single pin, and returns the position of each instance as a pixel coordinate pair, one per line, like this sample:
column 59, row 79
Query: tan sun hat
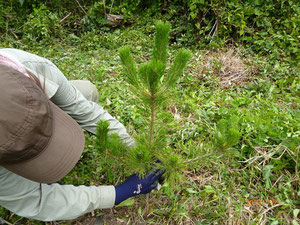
column 38, row 140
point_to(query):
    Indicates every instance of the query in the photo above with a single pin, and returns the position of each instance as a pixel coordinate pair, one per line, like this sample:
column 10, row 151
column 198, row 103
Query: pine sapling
column 151, row 83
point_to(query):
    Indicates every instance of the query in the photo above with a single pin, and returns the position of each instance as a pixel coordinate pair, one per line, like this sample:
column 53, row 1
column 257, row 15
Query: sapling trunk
column 152, row 120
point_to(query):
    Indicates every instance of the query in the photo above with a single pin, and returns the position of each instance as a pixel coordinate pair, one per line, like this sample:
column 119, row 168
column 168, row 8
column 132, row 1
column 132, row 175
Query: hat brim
column 59, row 156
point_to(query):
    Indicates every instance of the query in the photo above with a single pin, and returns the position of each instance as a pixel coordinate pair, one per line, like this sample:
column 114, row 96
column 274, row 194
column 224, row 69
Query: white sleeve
column 50, row 202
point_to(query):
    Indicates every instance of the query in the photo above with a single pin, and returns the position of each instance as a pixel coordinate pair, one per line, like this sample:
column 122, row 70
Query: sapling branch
column 161, row 41
column 129, row 66
column 201, row 157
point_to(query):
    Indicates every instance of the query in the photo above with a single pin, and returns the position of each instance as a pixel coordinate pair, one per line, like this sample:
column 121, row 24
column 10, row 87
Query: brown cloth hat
column 38, row 140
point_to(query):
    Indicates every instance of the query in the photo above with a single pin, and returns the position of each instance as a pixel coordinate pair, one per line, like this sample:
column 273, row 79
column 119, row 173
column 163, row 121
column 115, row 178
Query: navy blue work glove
column 134, row 185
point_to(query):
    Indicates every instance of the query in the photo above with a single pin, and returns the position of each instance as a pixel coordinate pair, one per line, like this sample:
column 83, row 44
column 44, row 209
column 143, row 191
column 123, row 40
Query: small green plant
column 42, row 25
column 151, row 84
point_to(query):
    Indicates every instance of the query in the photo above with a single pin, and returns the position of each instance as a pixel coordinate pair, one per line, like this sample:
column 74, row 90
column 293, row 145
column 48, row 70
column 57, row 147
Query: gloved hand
column 134, row 185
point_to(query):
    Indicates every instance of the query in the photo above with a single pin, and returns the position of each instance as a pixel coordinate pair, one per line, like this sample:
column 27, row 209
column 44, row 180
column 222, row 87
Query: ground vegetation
column 239, row 93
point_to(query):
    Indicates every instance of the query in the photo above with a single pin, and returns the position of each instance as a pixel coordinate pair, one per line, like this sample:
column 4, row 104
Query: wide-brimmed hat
column 38, row 140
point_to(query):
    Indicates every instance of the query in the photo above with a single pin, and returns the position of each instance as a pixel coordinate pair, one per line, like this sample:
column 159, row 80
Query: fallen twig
column 65, row 17
column 267, row 210
column 85, row 12
column 212, row 29
column 277, row 180
column 216, row 29
column 81, row 7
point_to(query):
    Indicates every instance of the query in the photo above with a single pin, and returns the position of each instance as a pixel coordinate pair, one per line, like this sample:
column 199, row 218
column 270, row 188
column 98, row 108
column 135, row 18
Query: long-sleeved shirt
column 50, row 202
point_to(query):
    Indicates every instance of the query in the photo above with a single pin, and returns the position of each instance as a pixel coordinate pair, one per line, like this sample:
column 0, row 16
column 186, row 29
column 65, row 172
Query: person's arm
column 50, row 202
column 67, row 97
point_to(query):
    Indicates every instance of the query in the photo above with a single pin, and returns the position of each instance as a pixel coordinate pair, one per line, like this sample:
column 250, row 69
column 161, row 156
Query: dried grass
column 265, row 153
column 229, row 67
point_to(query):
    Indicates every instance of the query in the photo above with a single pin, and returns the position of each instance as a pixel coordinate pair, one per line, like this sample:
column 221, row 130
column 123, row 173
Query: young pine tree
column 151, row 83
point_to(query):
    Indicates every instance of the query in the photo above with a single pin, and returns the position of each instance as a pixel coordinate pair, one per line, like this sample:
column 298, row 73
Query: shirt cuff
column 107, row 197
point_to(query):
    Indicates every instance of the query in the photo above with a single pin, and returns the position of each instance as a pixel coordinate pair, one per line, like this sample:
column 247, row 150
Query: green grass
column 262, row 165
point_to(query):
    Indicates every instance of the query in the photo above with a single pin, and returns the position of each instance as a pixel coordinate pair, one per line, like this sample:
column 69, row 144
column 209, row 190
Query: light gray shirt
column 50, row 202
